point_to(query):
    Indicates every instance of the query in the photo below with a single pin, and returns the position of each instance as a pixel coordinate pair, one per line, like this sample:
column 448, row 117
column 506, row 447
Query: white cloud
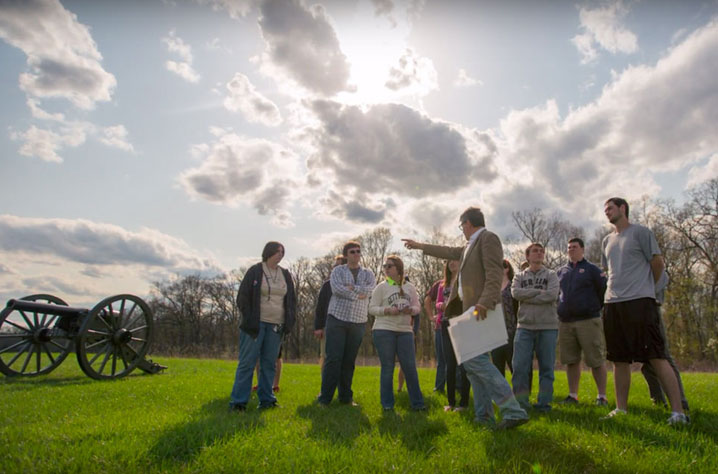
column 243, row 97
column 62, row 58
column 302, row 43
column 184, row 69
column 38, row 113
column 602, row 27
column 413, row 74
column 464, row 80
column 45, row 144
column 95, row 243
column 116, row 137
column 648, row 119
column 235, row 8
column 239, row 170
column 699, row 174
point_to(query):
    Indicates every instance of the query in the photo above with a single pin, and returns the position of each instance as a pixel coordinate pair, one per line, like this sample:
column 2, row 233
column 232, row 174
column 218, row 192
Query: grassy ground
column 179, row 422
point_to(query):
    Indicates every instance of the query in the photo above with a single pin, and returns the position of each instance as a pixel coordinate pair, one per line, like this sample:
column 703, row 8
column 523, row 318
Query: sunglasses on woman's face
column 354, row 251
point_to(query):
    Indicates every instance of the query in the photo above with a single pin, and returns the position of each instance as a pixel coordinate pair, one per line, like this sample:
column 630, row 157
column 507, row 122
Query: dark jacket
column 320, row 312
column 581, row 291
column 248, row 300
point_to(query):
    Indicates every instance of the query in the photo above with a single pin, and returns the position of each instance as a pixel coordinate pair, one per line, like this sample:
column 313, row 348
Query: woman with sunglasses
column 267, row 302
column 392, row 303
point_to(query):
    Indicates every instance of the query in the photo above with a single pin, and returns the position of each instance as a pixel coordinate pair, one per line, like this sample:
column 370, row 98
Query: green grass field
column 178, row 422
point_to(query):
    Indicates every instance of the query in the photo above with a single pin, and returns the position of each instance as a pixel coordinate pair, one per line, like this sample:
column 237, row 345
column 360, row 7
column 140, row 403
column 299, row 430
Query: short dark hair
column 532, row 245
column 352, row 244
column 618, row 202
column 270, row 248
column 473, row 215
column 577, row 240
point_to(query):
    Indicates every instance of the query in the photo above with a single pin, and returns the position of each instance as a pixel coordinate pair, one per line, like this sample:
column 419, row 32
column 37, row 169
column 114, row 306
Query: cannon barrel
column 59, row 310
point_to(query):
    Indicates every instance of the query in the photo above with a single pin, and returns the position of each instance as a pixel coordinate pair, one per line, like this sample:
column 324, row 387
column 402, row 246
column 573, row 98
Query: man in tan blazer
column 479, row 286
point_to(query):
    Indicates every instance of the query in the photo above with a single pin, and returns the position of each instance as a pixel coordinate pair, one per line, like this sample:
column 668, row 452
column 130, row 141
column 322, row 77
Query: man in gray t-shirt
column 631, row 319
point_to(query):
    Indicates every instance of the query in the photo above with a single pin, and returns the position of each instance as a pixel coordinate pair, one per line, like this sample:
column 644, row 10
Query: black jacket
column 320, row 312
column 581, row 293
column 248, row 300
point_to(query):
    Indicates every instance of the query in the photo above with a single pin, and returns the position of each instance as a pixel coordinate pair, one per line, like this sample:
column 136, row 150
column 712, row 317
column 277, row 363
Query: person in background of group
column 456, row 378
column 536, row 290
column 346, row 322
column 320, row 312
column 478, row 289
column 654, row 384
column 502, row 356
column 431, row 310
column 415, row 322
column 631, row 319
column 268, row 303
column 393, row 302
column 580, row 299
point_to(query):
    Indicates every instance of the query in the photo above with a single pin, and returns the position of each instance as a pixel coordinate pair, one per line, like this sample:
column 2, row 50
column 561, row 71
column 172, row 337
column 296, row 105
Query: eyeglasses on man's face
column 461, row 226
column 354, row 251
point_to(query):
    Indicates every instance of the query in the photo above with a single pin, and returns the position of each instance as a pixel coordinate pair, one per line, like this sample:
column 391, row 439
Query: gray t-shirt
column 627, row 257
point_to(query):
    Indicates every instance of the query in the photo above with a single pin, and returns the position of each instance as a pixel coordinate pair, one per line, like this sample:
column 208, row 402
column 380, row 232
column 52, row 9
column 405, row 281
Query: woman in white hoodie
column 392, row 303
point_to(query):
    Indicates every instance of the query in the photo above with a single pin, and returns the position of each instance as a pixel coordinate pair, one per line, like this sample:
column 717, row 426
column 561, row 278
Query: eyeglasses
column 354, row 251
column 461, row 226
column 388, row 265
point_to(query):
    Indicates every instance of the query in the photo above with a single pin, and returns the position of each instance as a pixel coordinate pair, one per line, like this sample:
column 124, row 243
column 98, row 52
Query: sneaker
column 459, row 409
column 678, row 419
column 616, row 412
column 269, row 405
column 448, row 408
column 569, row 400
column 350, row 403
column 237, row 407
column 601, row 402
column 510, row 423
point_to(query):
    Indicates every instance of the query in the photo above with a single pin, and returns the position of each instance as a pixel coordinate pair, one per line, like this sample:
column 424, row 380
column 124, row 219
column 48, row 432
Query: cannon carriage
column 110, row 340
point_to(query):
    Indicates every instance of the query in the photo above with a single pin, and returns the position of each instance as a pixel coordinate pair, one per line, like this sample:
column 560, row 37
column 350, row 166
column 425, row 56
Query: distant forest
column 198, row 316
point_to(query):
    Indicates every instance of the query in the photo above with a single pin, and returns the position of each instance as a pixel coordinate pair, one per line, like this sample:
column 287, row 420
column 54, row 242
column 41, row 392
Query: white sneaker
column 678, row 419
column 615, row 413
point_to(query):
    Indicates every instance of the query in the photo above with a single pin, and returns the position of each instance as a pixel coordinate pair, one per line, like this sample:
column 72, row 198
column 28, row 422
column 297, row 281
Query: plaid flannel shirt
column 345, row 304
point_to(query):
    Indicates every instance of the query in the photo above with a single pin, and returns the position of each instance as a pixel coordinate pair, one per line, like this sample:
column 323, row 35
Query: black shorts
column 633, row 331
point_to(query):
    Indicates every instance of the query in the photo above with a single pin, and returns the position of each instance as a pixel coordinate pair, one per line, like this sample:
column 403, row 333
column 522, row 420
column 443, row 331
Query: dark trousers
column 343, row 340
column 654, row 385
column 501, row 356
column 451, row 367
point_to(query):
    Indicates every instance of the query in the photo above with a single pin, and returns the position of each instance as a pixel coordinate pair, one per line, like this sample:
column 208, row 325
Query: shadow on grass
column 211, row 424
column 12, row 384
column 336, row 423
column 415, row 430
column 541, row 452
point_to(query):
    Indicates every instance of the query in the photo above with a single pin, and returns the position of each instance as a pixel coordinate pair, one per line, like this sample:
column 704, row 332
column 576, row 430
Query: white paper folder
column 472, row 338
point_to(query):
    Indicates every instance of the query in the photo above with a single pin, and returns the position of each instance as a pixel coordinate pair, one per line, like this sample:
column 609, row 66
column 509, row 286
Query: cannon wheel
column 115, row 337
column 29, row 345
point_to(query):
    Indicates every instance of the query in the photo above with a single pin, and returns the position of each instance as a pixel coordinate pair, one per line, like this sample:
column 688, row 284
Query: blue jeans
column 390, row 345
column 526, row 342
column 488, row 384
column 264, row 348
column 440, row 379
column 343, row 340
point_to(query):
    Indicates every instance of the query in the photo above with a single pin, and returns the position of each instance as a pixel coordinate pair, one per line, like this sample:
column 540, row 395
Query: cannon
column 37, row 333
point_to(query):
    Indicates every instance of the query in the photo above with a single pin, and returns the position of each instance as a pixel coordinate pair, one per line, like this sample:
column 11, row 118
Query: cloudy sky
column 141, row 139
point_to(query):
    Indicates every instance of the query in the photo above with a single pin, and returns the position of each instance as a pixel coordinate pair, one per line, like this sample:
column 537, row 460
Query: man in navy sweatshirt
column 582, row 287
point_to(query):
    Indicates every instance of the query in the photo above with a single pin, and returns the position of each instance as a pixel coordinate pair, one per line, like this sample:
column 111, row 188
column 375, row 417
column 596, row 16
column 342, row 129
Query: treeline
column 198, row 316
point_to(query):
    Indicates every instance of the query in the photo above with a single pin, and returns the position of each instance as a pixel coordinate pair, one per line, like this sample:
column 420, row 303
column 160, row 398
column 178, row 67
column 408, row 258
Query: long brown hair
column 448, row 275
column 399, row 264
